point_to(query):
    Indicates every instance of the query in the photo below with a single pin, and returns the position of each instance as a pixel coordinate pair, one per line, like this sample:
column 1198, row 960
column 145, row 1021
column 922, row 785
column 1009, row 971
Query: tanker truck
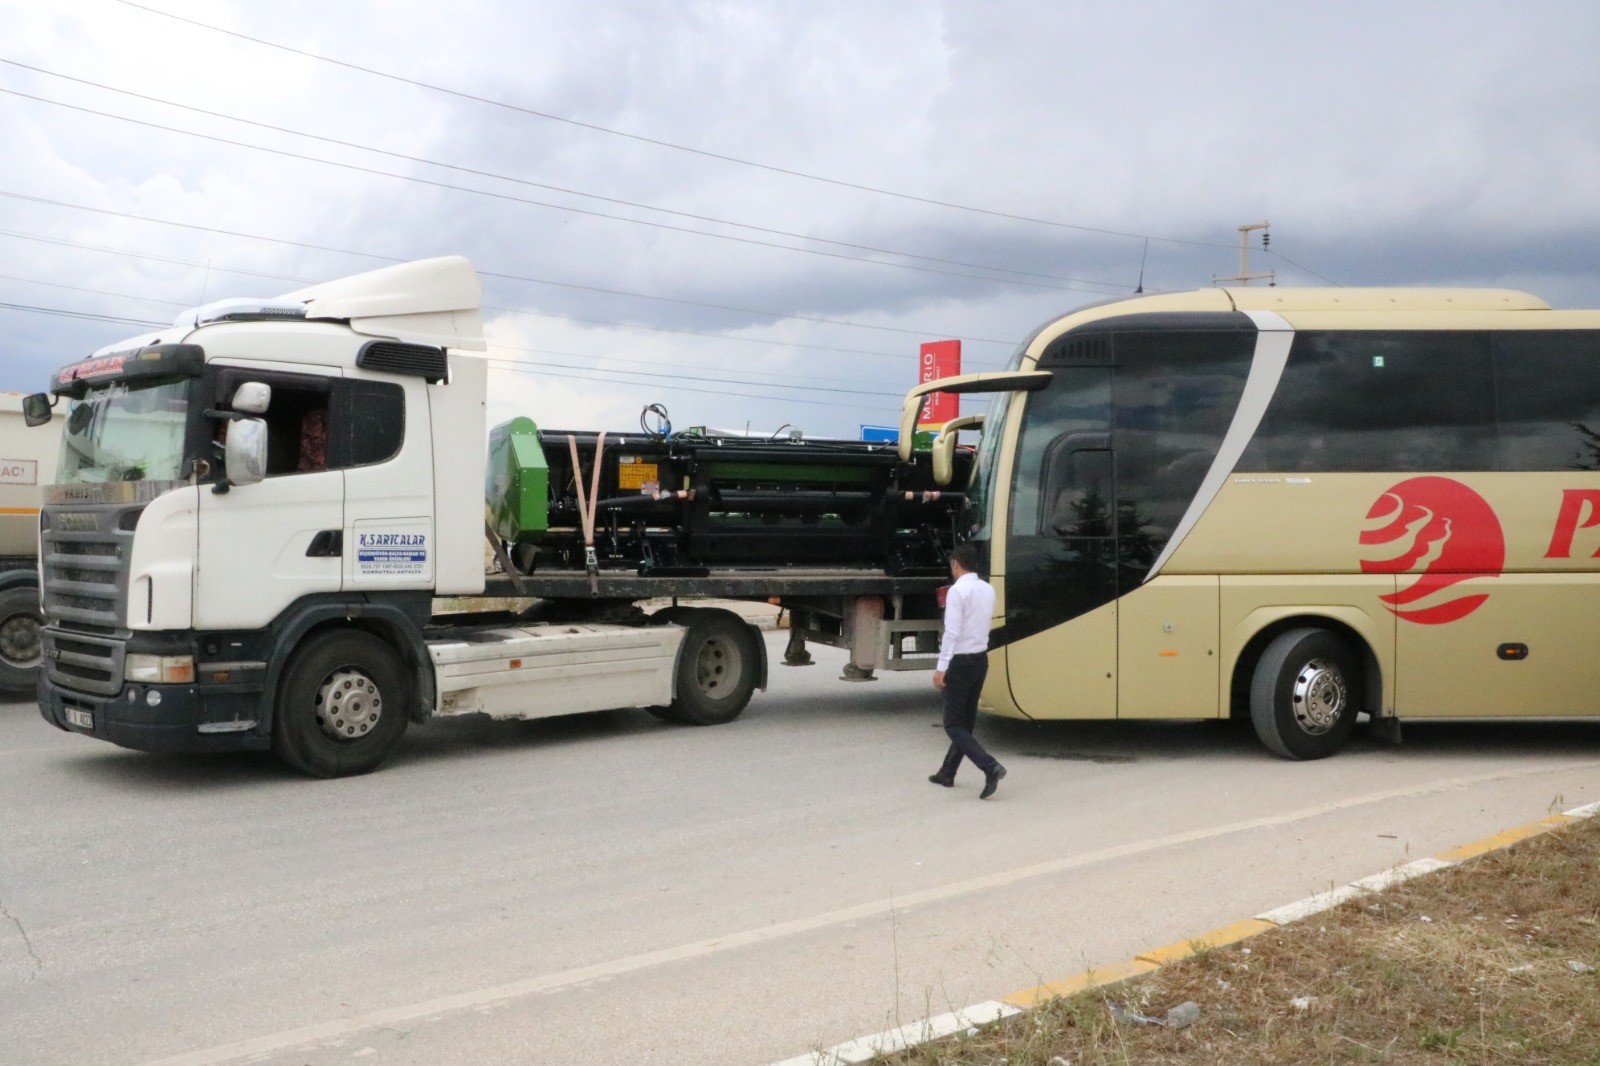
column 27, row 461
column 260, row 509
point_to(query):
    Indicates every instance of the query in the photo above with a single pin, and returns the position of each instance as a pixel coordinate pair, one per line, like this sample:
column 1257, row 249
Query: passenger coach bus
column 1296, row 505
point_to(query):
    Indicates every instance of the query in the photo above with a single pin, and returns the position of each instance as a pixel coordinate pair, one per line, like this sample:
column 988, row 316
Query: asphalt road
column 608, row 889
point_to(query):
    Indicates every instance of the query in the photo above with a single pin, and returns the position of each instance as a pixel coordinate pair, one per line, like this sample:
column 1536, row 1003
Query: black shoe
column 941, row 779
column 991, row 781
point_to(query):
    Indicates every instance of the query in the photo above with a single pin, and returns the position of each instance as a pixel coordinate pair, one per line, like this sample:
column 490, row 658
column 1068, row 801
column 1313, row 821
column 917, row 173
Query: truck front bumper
column 182, row 718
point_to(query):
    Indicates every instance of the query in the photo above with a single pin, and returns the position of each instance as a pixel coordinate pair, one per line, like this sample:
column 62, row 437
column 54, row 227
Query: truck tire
column 20, row 622
column 717, row 667
column 1304, row 694
column 343, row 705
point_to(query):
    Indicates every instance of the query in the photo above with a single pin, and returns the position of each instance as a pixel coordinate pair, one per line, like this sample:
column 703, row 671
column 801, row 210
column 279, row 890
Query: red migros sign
column 938, row 359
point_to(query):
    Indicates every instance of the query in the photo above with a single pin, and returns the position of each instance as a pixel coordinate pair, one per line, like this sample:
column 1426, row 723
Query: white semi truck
column 259, row 508
column 27, row 461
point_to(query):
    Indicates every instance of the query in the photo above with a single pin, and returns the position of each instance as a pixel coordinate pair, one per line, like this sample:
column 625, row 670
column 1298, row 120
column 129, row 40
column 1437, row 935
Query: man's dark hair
column 965, row 556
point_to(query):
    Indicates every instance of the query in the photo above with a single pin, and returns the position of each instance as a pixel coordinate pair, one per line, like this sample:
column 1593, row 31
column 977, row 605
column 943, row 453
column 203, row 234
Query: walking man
column 963, row 664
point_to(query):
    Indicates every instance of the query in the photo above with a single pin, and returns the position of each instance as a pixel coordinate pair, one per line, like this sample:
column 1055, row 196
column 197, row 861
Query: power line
column 1306, row 270
column 516, row 311
column 503, row 276
column 676, row 373
column 516, row 367
column 95, row 292
column 431, row 183
column 64, row 313
column 459, row 94
column 539, row 184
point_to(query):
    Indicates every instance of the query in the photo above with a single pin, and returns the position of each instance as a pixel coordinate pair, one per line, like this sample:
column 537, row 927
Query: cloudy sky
column 753, row 212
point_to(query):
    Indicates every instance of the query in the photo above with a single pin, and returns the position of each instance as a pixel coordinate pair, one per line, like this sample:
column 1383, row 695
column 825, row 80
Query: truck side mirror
column 36, row 409
column 245, row 451
column 252, row 398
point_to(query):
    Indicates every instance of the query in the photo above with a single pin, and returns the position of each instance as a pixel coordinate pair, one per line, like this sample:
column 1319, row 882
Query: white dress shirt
column 968, row 607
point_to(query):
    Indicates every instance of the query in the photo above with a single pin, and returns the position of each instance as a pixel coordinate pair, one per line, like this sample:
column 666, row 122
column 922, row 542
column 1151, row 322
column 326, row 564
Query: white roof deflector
column 430, row 301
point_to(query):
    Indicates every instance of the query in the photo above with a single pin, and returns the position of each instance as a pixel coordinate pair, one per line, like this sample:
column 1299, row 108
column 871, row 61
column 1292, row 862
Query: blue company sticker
column 391, row 552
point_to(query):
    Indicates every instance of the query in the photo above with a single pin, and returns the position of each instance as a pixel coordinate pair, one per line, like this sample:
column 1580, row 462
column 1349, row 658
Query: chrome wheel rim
column 348, row 705
column 1319, row 697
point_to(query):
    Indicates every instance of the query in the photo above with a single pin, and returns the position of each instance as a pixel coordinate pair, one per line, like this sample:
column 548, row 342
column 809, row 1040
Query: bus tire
column 717, row 667
column 343, row 705
column 1304, row 694
column 20, row 623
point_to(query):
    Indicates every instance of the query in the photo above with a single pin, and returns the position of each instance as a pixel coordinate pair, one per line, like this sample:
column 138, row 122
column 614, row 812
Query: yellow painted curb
column 1217, row 938
column 1071, row 986
column 1505, row 839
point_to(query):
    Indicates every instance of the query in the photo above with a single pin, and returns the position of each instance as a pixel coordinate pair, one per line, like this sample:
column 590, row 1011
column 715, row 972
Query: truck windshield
column 118, row 432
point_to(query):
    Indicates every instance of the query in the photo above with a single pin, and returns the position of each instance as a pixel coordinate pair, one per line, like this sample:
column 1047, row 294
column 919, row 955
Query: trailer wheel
column 20, row 622
column 717, row 667
column 343, row 705
column 1304, row 694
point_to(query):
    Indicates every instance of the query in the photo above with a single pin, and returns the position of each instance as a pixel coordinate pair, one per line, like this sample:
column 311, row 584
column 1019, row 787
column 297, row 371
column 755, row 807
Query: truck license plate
column 81, row 719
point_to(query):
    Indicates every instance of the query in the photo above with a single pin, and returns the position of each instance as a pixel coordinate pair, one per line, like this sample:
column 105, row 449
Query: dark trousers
column 962, row 684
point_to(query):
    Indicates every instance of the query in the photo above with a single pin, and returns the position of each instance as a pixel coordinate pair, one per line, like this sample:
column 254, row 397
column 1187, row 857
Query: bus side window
column 1075, row 482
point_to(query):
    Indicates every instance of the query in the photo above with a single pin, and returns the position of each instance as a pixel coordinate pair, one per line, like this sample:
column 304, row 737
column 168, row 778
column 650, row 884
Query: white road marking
column 867, row 1048
column 495, row 994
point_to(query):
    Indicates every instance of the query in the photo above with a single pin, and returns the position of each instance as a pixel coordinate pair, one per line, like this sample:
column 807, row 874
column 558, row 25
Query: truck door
column 389, row 531
column 263, row 546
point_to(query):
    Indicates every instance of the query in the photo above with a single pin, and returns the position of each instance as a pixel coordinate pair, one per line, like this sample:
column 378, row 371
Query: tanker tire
column 20, row 623
column 717, row 667
column 343, row 684
column 1304, row 694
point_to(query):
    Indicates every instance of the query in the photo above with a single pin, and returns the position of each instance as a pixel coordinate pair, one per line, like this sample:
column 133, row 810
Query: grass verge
column 1484, row 962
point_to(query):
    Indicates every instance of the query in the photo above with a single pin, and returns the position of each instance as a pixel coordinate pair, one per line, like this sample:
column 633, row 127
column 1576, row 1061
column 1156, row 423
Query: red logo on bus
column 1442, row 529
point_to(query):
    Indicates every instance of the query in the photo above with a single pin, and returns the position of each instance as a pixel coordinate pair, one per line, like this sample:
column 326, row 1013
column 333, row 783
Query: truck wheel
column 1304, row 694
column 717, row 667
column 343, row 705
column 20, row 622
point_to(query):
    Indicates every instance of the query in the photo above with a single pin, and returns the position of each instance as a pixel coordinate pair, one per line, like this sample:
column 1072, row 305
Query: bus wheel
column 343, row 705
column 19, row 640
column 1304, row 694
column 717, row 667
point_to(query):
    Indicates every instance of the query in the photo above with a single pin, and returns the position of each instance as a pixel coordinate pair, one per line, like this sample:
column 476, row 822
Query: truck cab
column 258, row 471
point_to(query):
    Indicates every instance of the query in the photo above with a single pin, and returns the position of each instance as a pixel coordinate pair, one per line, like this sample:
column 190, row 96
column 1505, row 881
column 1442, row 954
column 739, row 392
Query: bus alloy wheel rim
column 348, row 705
column 1319, row 696
column 19, row 640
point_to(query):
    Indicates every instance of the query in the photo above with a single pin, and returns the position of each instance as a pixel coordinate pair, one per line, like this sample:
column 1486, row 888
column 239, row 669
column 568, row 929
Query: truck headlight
column 168, row 669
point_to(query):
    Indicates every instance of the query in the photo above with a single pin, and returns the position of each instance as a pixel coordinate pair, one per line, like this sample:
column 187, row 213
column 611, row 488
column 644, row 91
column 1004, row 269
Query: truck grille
column 83, row 663
column 85, row 570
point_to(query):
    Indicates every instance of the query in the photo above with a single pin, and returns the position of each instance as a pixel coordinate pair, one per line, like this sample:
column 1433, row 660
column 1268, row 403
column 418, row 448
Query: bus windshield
column 980, row 491
column 118, row 432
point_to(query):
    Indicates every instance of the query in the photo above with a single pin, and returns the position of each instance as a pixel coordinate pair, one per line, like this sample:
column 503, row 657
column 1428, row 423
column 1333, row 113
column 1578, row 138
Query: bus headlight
column 168, row 669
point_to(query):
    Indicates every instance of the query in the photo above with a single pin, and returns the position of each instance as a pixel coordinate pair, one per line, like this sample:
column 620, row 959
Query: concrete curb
column 866, row 1048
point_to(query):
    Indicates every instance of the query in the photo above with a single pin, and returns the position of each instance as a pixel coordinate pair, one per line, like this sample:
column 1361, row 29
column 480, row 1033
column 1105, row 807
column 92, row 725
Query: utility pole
column 1244, row 277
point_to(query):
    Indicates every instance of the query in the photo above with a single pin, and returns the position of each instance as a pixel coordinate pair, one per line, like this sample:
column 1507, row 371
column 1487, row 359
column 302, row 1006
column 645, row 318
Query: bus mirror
column 245, row 451
column 252, row 398
column 36, row 409
column 944, row 447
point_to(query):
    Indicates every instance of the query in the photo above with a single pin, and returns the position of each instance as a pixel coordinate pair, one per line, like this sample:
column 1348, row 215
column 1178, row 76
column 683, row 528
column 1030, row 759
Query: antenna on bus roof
column 1142, row 257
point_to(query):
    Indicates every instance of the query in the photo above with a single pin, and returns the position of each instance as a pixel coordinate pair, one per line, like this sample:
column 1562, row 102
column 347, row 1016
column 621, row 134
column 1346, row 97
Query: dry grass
column 1468, row 965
